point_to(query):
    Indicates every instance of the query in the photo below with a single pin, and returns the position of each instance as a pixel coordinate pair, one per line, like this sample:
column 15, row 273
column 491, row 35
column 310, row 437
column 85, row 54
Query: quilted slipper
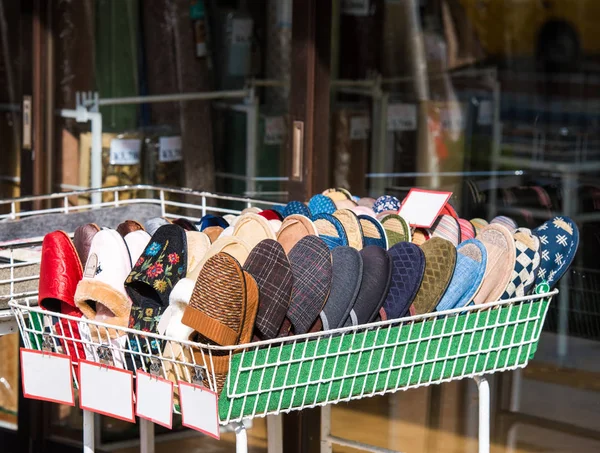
column 347, row 270
column 351, row 226
column 231, row 245
column 396, row 229
column 386, row 203
column 294, row 228
column 60, row 272
column 374, row 287
column 527, row 248
column 331, row 230
column 440, row 260
column 478, row 224
column 408, row 266
column 373, row 232
column 151, row 225
column 321, row 203
column 311, row 264
column 269, row 266
column 296, row 207
column 501, row 254
column 211, row 220
column 252, row 228
column 82, row 239
column 471, row 262
column 467, row 230
column 446, row 227
column 129, row 226
column 509, row 223
column 559, row 239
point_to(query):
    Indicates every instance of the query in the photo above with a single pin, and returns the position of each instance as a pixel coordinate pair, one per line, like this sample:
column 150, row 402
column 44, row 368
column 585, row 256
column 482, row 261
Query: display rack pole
column 146, row 436
column 241, row 438
column 483, row 386
column 89, row 444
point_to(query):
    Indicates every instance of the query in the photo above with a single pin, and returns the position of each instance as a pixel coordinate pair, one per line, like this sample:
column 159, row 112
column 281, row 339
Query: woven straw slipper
column 269, row 266
column 252, row 228
column 321, row 204
column 351, row 226
column 373, row 232
column 331, row 230
column 396, row 229
column 501, row 251
column 420, row 236
column 408, row 266
column 440, row 260
column 294, row 228
column 471, row 262
column 347, row 270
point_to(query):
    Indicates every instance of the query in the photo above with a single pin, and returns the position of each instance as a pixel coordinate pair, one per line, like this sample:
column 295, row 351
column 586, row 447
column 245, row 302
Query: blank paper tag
column 422, row 207
column 199, row 409
column 106, row 390
column 47, row 376
column 154, row 399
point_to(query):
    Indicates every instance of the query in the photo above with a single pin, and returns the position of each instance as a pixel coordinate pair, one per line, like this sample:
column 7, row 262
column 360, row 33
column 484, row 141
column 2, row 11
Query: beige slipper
column 252, row 229
column 294, row 228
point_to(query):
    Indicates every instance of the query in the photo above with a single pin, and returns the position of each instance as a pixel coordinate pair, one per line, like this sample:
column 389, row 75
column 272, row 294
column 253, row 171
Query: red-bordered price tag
column 154, row 399
column 47, row 376
column 199, row 409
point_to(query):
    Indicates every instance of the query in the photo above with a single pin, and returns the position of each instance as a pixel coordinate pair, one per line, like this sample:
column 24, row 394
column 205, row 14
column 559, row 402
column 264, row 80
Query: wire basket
column 304, row 371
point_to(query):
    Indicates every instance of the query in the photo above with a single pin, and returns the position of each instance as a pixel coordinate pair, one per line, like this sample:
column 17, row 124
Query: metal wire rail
column 318, row 369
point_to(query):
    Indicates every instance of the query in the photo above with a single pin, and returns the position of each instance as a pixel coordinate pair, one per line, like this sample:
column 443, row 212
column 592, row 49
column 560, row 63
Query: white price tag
column 241, row 31
column 402, row 117
column 199, row 409
column 106, row 390
column 125, row 151
column 169, row 149
column 485, row 113
column 421, row 208
column 154, row 399
column 355, row 7
column 274, row 130
column 359, row 127
column 47, row 376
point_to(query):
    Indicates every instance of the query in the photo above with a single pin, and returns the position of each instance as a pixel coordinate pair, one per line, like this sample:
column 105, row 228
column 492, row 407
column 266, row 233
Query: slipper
column 321, row 204
column 251, row 210
column 294, row 228
column 408, row 266
column 373, row 232
column 198, row 244
column 296, row 207
column 222, row 311
column 275, row 225
column 331, row 230
column 269, row 266
column 231, row 245
column 501, row 254
column 478, row 224
column 280, row 209
column 211, row 220
column 60, row 272
column 82, row 239
column 446, row 227
column 559, row 239
column 252, row 228
column 362, row 210
column 230, row 219
column 271, row 214
column 352, row 227
column 227, row 232
column 345, row 204
column 212, row 232
column 467, row 230
column 420, row 236
column 186, row 224
column 374, row 287
column 337, row 194
column 310, row 260
column 136, row 242
column 440, row 260
column 448, row 209
column 129, row 226
column 527, row 261
column 509, row 223
column 396, row 229
column 367, row 202
column 471, row 262
column 386, row 203
column 347, row 271
column 151, row 225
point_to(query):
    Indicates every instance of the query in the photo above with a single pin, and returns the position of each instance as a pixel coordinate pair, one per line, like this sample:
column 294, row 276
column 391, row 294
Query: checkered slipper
column 271, row 269
column 377, row 274
column 351, row 226
column 320, row 203
column 82, row 239
column 252, row 228
column 331, row 230
column 559, row 239
column 467, row 230
column 501, row 255
column 471, row 262
column 311, row 264
column 373, row 232
column 509, row 223
column 446, row 227
column 408, row 266
column 396, row 229
column 294, row 228
column 526, row 263
column 440, row 260
column 296, row 207
column 346, row 278
column 526, row 236
column 129, row 226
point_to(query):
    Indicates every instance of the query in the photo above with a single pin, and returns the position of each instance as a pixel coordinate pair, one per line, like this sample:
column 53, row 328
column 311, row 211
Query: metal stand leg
column 274, row 434
column 484, row 413
column 241, row 438
column 326, row 445
column 146, row 436
column 515, row 405
column 88, row 432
